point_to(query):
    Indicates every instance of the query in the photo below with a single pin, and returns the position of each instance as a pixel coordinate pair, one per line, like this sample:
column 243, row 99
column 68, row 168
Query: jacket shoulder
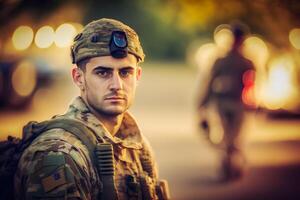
column 53, row 165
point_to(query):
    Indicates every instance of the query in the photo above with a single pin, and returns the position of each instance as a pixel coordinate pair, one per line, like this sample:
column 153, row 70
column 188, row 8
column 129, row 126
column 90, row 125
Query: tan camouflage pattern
column 57, row 164
column 83, row 46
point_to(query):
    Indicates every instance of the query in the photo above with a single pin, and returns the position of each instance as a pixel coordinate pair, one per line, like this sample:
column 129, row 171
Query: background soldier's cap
column 95, row 39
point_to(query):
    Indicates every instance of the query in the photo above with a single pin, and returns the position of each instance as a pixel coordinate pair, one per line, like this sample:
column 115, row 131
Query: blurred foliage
column 167, row 27
column 160, row 38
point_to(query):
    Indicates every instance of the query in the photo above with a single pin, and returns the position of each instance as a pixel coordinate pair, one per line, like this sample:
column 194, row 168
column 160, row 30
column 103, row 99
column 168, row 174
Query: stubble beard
column 100, row 109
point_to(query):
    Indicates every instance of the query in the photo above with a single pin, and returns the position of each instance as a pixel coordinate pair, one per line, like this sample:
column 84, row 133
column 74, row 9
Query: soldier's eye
column 103, row 73
column 125, row 72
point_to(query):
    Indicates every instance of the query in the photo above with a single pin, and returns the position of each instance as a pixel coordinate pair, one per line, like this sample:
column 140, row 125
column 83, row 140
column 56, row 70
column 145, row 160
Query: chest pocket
column 134, row 174
column 127, row 160
column 138, row 176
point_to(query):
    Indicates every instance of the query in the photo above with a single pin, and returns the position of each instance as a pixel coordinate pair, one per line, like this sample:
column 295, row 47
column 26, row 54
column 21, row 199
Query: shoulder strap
column 100, row 152
column 77, row 128
column 73, row 126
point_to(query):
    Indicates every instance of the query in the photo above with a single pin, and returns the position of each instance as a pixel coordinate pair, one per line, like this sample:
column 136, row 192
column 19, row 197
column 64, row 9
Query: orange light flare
column 248, row 93
column 255, row 49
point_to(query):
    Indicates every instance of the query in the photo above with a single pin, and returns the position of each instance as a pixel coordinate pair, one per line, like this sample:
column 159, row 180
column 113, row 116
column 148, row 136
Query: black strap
column 106, row 168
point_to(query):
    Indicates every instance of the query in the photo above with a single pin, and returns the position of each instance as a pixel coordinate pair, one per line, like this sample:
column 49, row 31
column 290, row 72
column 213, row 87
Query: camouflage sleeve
column 56, row 166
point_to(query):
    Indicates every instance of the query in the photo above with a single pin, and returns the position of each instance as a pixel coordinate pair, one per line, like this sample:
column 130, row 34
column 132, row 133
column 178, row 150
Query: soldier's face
column 109, row 84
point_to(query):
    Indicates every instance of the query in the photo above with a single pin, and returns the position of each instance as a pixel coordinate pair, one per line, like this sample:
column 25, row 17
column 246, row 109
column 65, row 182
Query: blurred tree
column 270, row 18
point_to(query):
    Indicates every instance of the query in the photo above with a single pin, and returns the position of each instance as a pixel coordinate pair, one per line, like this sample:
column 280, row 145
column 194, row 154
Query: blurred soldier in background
column 224, row 95
column 111, row 159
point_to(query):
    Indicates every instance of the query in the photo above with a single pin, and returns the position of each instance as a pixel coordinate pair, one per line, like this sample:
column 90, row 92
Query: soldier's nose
column 116, row 82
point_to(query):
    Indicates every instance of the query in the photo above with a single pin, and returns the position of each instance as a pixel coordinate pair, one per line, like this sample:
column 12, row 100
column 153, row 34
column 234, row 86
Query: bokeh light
column 294, row 37
column 216, row 135
column 22, row 37
column 44, row 37
column 78, row 27
column 206, row 55
column 223, row 38
column 256, row 50
column 279, row 88
column 64, row 35
column 24, row 78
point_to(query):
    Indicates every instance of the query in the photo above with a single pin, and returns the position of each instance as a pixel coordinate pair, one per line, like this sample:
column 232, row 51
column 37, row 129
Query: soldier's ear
column 138, row 73
column 77, row 75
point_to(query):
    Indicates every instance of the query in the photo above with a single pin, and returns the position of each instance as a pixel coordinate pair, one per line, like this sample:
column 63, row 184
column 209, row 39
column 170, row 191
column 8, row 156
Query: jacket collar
column 128, row 135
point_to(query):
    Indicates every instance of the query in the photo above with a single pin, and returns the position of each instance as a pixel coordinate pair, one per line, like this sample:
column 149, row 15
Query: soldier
column 225, row 94
column 59, row 165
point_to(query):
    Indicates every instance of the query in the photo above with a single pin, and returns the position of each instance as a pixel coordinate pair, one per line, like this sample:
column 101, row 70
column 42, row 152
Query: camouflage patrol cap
column 95, row 39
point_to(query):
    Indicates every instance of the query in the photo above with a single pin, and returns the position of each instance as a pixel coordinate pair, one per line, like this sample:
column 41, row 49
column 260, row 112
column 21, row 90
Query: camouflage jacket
column 57, row 165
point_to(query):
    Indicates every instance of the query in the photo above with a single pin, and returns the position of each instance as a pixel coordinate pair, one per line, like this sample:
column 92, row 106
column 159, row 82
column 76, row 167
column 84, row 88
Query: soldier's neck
column 111, row 123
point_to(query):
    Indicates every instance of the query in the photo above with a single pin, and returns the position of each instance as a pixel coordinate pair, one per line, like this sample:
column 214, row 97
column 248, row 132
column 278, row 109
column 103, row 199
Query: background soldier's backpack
column 12, row 149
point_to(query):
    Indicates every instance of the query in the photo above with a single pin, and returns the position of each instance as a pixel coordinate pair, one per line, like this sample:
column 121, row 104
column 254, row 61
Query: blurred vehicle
column 19, row 80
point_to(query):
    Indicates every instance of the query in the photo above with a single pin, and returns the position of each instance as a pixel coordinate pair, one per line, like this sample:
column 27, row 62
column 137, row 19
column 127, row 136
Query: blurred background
column 181, row 40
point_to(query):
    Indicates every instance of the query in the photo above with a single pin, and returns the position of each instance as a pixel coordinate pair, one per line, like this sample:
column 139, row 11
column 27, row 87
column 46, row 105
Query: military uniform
column 227, row 87
column 58, row 165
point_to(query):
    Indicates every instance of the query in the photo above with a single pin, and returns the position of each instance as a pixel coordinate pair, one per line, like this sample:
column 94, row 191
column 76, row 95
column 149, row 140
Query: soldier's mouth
column 115, row 98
